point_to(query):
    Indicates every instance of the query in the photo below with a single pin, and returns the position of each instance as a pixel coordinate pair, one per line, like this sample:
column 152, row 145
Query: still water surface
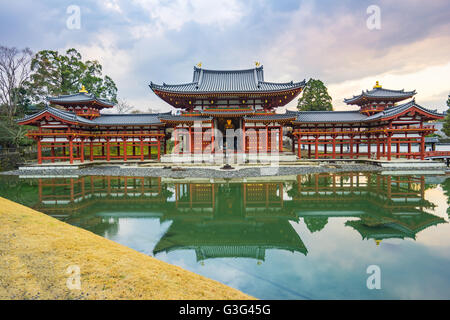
column 298, row 237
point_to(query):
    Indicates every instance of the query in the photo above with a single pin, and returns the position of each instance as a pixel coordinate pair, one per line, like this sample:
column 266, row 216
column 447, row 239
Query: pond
column 314, row 236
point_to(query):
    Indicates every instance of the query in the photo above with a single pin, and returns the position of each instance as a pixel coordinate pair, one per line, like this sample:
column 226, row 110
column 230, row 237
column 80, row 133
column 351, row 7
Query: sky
column 348, row 44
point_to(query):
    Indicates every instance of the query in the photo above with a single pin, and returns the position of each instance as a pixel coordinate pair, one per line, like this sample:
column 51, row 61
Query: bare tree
column 14, row 71
column 122, row 106
column 152, row 110
column 149, row 110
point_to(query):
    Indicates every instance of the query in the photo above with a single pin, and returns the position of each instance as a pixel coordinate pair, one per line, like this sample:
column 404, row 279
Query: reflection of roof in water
column 244, row 239
column 394, row 226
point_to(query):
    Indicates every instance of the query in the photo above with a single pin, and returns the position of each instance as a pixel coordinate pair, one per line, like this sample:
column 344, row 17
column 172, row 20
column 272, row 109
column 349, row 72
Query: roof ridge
column 130, row 114
column 325, row 111
column 229, row 71
column 391, row 90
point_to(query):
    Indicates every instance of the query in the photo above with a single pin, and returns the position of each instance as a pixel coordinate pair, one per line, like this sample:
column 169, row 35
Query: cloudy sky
column 138, row 41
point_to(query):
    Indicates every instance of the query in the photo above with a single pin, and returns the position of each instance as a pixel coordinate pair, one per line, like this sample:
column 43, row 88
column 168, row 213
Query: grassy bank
column 36, row 251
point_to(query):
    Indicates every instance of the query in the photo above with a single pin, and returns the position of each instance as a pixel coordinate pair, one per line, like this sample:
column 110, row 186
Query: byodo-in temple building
column 235, row 111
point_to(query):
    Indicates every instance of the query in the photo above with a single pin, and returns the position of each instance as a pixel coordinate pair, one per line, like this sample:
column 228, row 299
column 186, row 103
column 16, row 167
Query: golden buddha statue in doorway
column 228, row 124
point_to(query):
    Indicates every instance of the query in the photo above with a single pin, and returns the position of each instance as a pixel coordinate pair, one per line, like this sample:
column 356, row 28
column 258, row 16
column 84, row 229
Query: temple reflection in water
column 243, row 219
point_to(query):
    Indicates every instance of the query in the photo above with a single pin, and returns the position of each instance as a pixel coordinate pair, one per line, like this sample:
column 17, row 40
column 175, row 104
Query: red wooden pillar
column 82, row 150
column 176, row 147
column 389, row 147
column 124, row 149
column 316, row 147
column 70, row 150
column 243, row 136
column 369, row 147
column 267, row 138
column 334, row 147
column 299, row 152
column 293, row 142
column 357, row 148
column 378, row 147
column 191, row 142
column 351, row 146
column 108, row 154
column 213, row 136
column 39, row 150
column 159, row 149
column 422, row 146
column 281, row 140
column 142, row 149
column 398, row 150
column 309, row 148
column 165, row 142
column 342, row 147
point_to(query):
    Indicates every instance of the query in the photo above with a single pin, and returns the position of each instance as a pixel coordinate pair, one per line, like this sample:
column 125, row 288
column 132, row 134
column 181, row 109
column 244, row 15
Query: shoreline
column 179, row 171
column 37, row 251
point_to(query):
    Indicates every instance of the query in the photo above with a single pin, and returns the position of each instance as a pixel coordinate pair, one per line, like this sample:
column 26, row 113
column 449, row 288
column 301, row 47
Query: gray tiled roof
column 208, row 81
column 127, row 119
column 392, row 111
column 382, row 93
column 65, row 115
column 355, row 116
column 330, row 116
column 104, row 119
column 170, row 117
column 270, row 117
column 230, row 112
column 80, row 97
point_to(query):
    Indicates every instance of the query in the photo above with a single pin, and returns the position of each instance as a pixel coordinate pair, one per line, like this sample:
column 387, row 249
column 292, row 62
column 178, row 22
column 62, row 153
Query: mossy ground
column 36, row 251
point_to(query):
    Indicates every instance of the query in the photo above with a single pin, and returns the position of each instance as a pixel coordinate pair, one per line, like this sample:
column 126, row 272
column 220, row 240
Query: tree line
column 27, row 79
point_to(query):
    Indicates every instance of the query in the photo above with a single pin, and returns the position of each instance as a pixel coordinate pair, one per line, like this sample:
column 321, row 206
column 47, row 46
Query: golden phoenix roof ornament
column 83, row 89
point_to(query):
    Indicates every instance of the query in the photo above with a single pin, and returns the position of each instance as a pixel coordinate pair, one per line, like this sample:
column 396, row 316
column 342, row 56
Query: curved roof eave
column 167, row 89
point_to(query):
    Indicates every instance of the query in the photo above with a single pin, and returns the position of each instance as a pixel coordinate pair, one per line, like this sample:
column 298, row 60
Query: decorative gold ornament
column 83, row 89
column 377, row 85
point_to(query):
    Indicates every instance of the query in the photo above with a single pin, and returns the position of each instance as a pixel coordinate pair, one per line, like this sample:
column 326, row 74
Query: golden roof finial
column 377, row 85
column 377, row 242
column 83, row 89
column 257, row 64
column 199, row 64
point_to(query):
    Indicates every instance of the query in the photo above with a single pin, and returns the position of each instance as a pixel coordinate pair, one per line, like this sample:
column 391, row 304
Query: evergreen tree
column 446, row 126
column 56, row 74
column 315, row 97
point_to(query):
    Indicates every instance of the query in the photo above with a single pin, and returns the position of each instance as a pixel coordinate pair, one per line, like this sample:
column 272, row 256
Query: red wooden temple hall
column 228, row 110
column 77, row 131
column 233, row 111
column 378, row 129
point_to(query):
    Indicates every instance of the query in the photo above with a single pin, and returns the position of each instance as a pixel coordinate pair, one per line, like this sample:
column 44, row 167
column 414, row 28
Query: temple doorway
column 229, row 126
